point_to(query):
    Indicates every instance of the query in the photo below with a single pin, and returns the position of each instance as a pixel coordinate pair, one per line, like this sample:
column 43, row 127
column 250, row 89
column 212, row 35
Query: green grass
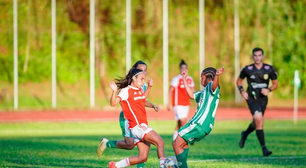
column 74, row 145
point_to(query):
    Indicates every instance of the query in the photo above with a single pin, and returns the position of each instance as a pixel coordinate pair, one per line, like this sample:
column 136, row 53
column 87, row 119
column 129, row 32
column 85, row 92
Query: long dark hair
column 127, row 80
column 138, row 63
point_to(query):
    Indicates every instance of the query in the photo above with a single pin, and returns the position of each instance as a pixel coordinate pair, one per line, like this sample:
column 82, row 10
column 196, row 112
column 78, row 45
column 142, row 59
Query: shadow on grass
column 218, row 150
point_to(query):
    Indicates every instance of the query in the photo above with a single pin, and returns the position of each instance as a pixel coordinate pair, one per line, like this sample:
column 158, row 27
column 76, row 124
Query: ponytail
column 127, row 80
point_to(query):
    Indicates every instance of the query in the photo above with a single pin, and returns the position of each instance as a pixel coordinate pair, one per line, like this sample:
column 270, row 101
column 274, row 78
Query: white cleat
column 101, row 147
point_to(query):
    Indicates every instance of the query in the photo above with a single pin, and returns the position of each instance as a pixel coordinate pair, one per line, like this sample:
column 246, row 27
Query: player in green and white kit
column 128, row 142
column 203, row 120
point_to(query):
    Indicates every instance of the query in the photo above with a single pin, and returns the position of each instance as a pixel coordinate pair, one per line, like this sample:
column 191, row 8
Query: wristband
column 240, row 88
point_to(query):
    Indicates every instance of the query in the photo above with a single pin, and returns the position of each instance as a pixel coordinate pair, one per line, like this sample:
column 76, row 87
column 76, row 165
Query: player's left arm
column 216, row 80
column 187, row 88
column 149, row 104
column 150, row 84
column 270, row 89
column 273, row 77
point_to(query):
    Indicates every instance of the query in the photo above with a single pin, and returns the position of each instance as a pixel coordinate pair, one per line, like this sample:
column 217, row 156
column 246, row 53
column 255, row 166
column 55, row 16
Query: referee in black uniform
column 258, row 76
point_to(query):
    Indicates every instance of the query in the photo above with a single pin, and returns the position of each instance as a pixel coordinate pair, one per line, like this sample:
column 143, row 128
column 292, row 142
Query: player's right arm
column 171, row 90
column 150, row 84
column 187, row 87
column 114, row 99
column 243, row 93
column 216, row 80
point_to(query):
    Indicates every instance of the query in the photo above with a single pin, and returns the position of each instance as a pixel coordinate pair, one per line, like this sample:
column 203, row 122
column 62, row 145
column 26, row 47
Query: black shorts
column 258, row 105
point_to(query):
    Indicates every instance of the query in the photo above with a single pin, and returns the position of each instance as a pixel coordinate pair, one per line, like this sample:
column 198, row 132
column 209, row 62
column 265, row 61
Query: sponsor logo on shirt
column 182, row 86
column 139, row 97
column 259, row 85
column 135, row 93
column 252, row 76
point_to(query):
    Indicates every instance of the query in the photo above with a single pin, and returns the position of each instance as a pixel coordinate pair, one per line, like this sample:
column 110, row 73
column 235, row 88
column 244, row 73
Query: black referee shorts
column 258, row 105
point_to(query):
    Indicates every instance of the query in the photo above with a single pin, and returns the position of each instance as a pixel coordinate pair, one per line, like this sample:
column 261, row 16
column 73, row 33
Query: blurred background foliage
column 278, row 27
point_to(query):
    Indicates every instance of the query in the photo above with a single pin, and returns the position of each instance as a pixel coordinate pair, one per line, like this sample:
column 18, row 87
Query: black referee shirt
column 257, row 78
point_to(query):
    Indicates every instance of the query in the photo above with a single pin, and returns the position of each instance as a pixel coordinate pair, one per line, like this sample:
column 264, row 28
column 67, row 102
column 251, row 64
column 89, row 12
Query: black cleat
column 242, row 140
column 266, row 152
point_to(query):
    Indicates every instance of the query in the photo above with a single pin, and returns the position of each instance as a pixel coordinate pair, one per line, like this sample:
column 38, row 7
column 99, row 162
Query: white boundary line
column 249, row 159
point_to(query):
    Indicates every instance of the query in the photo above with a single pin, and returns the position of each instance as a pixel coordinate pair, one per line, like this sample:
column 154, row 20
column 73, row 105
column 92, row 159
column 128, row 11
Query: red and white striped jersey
column 180, row 96
column 132, row 101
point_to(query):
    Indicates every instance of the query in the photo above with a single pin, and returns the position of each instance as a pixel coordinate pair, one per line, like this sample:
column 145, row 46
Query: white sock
column 175, row 135
column 162, row 161
column 123, row 163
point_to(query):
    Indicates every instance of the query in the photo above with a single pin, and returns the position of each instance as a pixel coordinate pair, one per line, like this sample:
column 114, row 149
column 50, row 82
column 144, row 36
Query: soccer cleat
column 266, row 152
column 112, row 165
column 101, row 147
column 242, row 140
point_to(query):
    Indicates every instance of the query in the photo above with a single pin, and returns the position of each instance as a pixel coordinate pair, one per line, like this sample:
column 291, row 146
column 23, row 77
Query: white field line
column 249, row 159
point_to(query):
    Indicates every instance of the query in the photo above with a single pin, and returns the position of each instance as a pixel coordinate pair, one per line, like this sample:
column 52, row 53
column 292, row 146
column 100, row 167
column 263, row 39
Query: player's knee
column 175, row 144
column 161, row 143
column 143, row 158
column 130, row 146
column 259, row 125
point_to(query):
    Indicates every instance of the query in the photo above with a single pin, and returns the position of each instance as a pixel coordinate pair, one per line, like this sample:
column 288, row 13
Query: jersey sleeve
column 174, row 82
column 210, row 88
column 197, row 96
column 242, row 73
column 273, row 74
column 192, row 82
column 123, row 94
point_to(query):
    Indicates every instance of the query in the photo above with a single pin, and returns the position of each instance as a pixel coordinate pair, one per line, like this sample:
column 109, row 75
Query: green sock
column 186, row 152
column 182, row 160
column 140, row 165
column 111, row 144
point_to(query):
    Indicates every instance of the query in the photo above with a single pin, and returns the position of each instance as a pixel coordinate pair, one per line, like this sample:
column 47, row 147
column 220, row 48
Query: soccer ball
column 171, row 162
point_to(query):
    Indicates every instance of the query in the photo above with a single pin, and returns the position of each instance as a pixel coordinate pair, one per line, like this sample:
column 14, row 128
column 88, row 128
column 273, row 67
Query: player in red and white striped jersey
column 180, row 98
column 132, row 100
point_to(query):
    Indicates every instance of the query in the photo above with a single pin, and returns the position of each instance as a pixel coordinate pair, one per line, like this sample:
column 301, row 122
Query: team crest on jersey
column 250, row 67
column 266, row 76
column 139, row 92
column 252, row 76
column 267, row 67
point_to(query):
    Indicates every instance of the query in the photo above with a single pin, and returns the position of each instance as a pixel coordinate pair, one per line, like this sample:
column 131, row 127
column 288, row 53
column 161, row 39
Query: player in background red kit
column 180, row 99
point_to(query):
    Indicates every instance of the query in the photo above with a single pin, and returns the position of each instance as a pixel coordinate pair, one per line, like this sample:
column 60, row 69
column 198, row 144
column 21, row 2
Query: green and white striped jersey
column 207, row 105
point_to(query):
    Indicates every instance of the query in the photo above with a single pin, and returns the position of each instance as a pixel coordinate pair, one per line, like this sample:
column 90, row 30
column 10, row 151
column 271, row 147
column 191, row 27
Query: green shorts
column 124, row 125
column 192, row 133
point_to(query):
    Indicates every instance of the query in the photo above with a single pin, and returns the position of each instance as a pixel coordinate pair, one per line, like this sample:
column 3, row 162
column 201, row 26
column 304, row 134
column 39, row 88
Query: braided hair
column 209, row 72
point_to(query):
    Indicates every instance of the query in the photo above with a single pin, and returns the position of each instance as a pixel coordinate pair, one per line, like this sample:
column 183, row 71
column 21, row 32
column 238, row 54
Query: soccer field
column 73, row 144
